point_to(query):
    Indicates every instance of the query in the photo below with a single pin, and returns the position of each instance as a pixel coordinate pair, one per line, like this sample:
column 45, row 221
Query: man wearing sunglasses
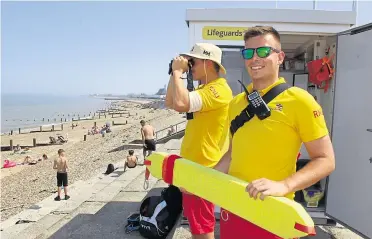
column 263, row 152
column 206, row 135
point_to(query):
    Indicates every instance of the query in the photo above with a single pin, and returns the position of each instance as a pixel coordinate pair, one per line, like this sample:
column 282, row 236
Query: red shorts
column 199, row 213
column 232, row 226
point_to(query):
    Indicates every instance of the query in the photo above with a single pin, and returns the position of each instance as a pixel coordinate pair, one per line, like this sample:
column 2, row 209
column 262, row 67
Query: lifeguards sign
column 224, row 33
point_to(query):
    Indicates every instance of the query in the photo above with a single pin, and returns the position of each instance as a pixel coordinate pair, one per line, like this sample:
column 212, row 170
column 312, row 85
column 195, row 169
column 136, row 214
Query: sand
column 25, row 185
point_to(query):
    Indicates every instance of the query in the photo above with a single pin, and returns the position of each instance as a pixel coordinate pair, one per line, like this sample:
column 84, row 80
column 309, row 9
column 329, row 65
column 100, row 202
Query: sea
column 29, row 110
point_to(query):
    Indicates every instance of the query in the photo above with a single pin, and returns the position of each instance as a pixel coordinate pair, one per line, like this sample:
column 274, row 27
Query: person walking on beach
column 264, row 152
column 148, row 138
column 60, row 164
column 205, row 139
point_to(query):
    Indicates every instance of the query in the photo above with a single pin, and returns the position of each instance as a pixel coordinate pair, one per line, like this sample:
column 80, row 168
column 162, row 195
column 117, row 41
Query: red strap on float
column 309, row 230
column 147, row 174
column 168, row 167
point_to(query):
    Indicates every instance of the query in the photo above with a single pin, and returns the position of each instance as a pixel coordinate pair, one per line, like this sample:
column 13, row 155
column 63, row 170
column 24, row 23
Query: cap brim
column 191, row 55
column 222, row 69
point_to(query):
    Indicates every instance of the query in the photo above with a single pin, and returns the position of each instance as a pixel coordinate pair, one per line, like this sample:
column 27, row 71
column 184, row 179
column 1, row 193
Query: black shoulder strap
column 274, row 92
column 247, row 114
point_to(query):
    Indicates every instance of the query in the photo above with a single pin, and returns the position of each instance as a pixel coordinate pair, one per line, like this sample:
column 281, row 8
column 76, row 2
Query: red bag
column 321, row 71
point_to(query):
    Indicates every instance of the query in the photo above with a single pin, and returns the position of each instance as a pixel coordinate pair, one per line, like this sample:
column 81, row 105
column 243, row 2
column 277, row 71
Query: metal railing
column 170, row 130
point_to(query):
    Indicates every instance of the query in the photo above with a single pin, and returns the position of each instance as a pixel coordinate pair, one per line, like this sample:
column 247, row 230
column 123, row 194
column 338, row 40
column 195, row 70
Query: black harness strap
column 247, row 114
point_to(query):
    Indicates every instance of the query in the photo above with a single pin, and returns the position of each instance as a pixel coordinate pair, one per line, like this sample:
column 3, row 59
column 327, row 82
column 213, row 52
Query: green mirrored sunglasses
column 262, row 52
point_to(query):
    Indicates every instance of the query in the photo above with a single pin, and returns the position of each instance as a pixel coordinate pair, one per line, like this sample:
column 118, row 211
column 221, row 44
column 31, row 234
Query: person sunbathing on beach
column 29, row 160
column 93, row 131
column 131, row 161
column 26, row 150
column 26, row 160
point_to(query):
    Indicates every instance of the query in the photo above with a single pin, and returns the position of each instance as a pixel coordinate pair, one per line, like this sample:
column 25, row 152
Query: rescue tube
column 278, row 215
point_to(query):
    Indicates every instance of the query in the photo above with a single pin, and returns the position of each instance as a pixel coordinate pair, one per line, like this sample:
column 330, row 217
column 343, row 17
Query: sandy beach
column 24, row 185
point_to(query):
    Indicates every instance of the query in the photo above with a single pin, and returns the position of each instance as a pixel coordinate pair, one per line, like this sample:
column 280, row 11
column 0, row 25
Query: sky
column 75, row 48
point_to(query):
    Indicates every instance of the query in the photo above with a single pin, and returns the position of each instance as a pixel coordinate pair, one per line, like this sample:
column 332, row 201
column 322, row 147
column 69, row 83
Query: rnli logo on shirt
column 278, row 107
column 317, row 113
column 214, row 92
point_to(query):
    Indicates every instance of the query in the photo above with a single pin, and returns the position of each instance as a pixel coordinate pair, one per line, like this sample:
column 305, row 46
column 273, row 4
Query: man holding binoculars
column 206, row 134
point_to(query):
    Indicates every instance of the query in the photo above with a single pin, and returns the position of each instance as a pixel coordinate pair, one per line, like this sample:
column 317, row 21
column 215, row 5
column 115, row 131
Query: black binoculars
column 190, row 63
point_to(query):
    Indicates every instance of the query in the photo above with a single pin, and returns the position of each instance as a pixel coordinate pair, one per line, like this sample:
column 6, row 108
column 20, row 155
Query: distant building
column 162, row 91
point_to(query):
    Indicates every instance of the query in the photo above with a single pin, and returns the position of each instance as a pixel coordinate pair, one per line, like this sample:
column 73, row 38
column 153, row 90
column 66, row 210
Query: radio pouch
column 247, row 114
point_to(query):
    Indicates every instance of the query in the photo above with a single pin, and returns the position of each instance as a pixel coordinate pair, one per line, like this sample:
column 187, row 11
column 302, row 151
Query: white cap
column 207, row 51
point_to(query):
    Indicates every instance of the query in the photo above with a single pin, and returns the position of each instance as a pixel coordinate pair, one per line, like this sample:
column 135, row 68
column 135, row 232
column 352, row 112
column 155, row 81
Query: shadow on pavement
column 108, row 222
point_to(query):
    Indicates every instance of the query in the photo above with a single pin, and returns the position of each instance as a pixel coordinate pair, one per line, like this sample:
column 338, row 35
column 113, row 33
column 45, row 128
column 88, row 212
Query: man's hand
column 180, row 63
column 267, row 187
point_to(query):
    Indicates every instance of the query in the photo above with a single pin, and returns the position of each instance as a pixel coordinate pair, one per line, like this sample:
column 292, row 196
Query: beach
column 24, row 185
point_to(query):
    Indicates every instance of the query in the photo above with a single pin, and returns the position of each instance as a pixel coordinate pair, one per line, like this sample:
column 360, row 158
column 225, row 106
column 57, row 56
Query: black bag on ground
column 110, row 168
column 158, row 214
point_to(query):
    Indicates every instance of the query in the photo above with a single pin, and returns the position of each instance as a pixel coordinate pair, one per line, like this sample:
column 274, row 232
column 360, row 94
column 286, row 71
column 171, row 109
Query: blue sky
column 85, row 47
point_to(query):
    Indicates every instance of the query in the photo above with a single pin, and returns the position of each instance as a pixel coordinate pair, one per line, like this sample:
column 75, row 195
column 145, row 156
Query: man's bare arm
column 143, row 135
column 181, row 101
column 55, row 164
column 169, row 95
column 321, row 165
column 224, row 164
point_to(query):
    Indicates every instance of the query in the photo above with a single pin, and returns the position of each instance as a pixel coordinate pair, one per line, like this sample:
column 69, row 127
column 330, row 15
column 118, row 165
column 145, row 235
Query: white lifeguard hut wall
column 225, row 27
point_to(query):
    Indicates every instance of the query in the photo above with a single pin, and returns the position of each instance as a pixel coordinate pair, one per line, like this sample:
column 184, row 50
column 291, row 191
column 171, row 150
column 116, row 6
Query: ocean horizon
column 28, row 110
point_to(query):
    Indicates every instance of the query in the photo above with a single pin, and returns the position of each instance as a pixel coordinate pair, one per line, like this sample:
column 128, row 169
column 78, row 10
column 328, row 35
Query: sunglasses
column 262, row 52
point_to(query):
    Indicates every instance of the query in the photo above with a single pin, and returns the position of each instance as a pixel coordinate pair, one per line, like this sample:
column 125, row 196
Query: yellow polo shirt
column 268, row 148
column 206, row 135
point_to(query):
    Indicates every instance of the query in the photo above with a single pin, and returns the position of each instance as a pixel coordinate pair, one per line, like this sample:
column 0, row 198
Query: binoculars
column 190, row 63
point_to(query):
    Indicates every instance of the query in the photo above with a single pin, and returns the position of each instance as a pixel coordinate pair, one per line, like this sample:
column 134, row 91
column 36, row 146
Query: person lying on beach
column 26, row 150
column 93, row 131
column 60, row 164
column 131, row 161
column 148, row 138
column 105, row 129
column 29, row 160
